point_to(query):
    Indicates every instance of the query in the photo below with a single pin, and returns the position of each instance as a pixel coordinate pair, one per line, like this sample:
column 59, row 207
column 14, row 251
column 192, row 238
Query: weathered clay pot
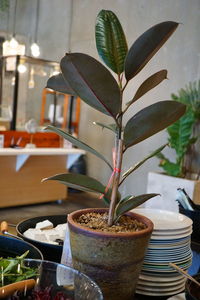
column 113, row 260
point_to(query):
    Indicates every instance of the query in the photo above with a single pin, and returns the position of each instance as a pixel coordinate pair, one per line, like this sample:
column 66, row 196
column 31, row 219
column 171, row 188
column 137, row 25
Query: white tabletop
column 40, row 151
column 22, row 154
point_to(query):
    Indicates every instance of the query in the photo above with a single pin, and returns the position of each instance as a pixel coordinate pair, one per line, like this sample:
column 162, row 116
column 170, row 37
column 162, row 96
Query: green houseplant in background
column 113, row 257
column 4, row 5
column 184, row 136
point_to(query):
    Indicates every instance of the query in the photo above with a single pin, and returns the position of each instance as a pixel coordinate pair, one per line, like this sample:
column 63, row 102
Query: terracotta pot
column 113, row 260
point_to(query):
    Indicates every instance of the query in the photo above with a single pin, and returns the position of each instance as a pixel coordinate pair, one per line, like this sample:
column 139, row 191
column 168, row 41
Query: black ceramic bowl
column 50, row 251
column 192, row 290
column 11, row 247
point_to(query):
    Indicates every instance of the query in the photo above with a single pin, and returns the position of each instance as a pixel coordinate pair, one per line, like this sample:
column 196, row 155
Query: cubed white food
column 53, row 237
column 61, row 229
column 40, row 236
column 46, row 224
column 46, row 233
column 30, row 233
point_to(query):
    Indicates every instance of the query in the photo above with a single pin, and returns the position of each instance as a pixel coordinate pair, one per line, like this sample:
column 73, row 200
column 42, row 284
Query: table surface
column 40, row 151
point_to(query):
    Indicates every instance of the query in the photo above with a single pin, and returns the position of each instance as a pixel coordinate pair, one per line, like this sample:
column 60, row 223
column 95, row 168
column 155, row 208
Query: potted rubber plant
column 109, row 244
column 183, row 138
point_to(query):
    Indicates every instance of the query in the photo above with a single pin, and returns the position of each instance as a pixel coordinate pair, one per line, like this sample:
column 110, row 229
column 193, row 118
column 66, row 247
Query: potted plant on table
column 109, row 244
column 183, row 138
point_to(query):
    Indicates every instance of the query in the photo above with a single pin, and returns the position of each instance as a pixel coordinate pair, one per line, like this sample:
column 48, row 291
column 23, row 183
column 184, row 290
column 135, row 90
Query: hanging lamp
column 11, row 46
column 13, row 42
column 35, row 49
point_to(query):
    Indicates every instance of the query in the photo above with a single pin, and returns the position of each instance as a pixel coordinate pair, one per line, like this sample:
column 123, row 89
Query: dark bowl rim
column 24, row 242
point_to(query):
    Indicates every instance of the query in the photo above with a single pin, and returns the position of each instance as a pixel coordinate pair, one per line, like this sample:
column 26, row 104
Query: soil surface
column 98, row 222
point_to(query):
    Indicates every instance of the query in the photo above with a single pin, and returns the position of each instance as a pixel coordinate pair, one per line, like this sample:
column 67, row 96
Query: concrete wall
column 180, row 55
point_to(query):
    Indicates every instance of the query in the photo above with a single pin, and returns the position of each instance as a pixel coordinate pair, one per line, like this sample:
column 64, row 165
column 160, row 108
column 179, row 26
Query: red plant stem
column 116, row 179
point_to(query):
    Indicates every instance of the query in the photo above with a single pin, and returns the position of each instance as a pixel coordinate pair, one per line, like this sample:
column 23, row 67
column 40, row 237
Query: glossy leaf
column 151, row 120
column 92, row 82
column 77, row 143
column 180, row 133
column 59, row 84
column 107, row 196
column 140, row 163
column 78, row 181
column 146, row 46
column 112, row 127
column 125, row 199
column 171, row 168
column 149, row 84
column 130, row 203
column 190, row 96
column 111, row 41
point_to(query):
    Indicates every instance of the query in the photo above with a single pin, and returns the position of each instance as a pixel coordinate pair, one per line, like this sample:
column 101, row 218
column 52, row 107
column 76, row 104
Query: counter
column 21, row 172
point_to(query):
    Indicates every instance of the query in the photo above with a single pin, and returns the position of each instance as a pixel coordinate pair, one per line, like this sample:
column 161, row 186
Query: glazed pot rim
column 141, row 218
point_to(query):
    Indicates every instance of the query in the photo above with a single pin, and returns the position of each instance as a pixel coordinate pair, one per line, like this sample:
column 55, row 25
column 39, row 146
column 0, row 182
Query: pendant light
column 6, row 43
column 35, row 49
column 11, row 46
column 13, row 42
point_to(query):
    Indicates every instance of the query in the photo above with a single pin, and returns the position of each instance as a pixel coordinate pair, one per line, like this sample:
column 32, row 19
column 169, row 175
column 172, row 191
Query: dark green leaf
column 149, row 84
column 172, row 169
column 79, row 181
column 180, row 133
column 151, row 120
column 107, row 196
column 190, row 96
column 146, row 46
column 110, row 41
column 131, row 202
column 59, row 84
column 77, row 143
column 140, row 163
column 92, row 82
column 105, row 199
column 112, row 127
column 125, row 199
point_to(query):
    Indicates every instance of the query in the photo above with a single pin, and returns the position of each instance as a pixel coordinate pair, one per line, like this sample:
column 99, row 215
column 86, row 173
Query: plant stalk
column 116, row 179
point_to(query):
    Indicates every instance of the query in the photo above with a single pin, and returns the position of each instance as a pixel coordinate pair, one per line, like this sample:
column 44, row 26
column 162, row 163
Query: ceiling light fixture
column 35, row 49
column 22, row 68
column 13, row 42
column 11, row 46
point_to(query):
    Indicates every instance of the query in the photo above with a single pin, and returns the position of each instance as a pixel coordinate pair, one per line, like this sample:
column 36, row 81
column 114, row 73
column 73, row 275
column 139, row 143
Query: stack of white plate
column 170, row 242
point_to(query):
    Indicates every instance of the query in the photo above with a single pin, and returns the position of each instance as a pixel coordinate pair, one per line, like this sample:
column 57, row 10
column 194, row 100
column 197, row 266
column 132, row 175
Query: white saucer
column 155, row 278
column 171, row 236
column 167, row 293
column 160, row 283
column 161, row 289
column 172, row 232
column 164, row 219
